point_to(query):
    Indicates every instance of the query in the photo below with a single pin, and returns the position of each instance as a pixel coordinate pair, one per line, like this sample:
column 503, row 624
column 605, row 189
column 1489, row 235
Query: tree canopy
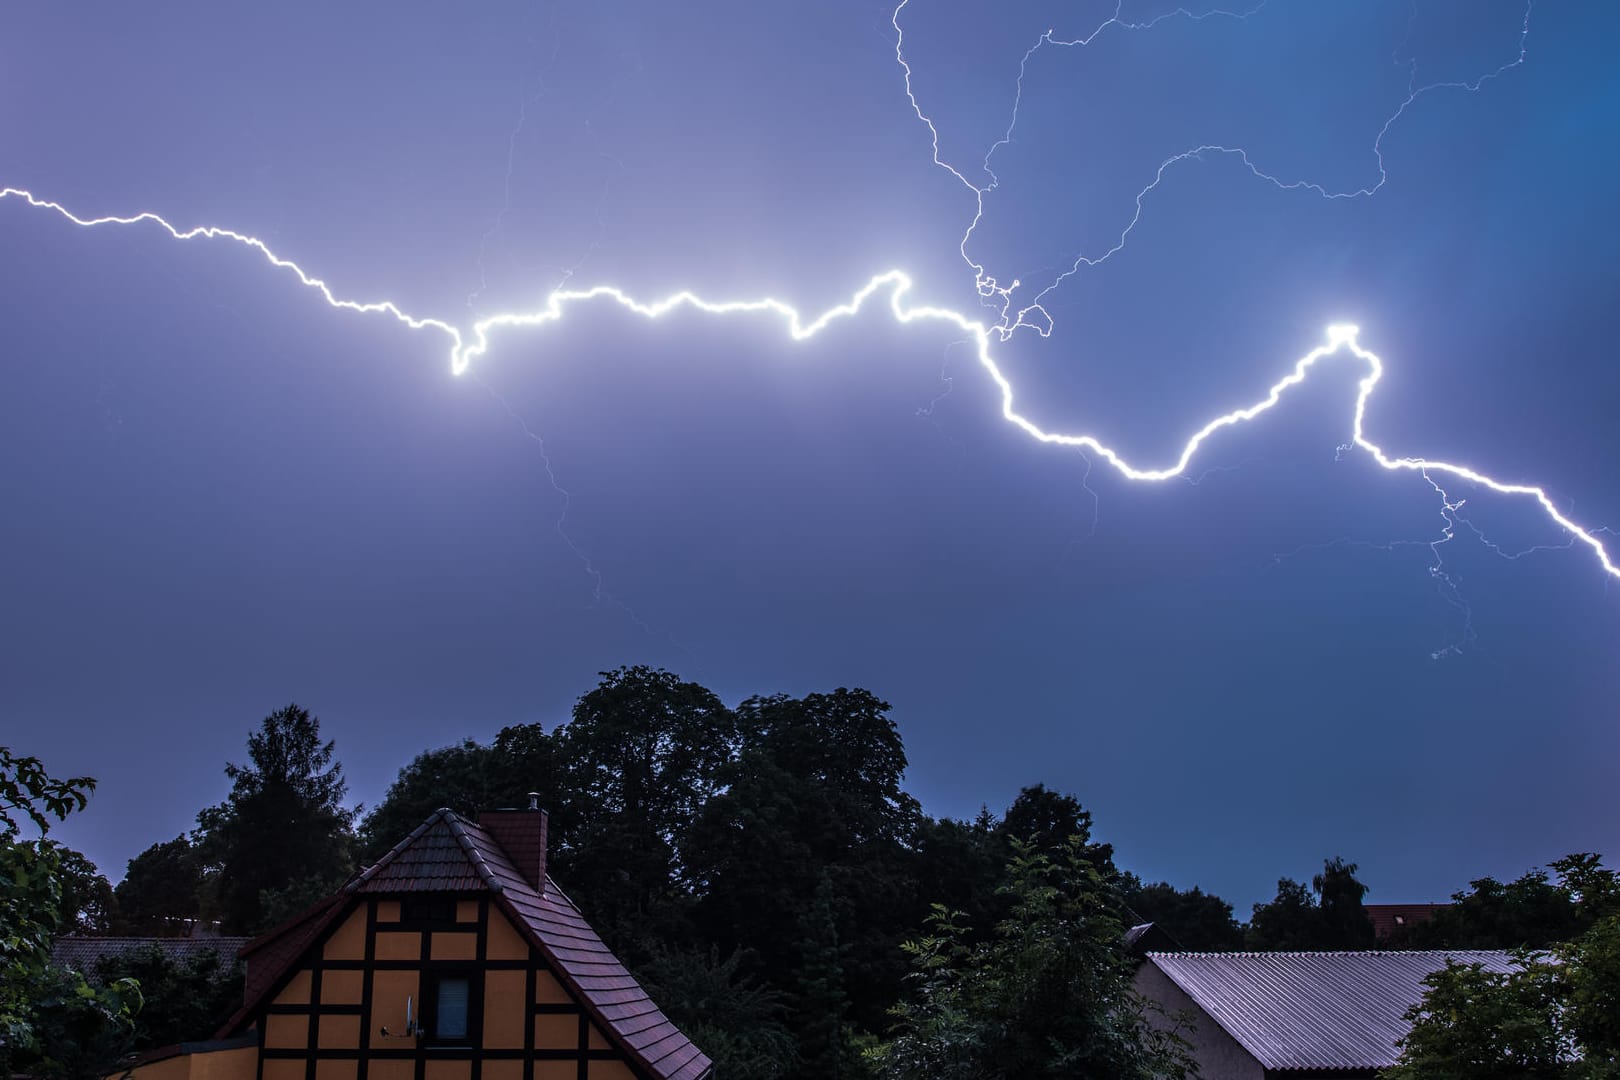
column 1556, row 1017
column 1048, row 994
column 162, row 890
column 765, row 871
column 1327, row 915
column 284, row 822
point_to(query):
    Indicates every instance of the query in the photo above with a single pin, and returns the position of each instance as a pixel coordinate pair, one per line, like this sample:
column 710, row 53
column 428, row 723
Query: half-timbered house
column 454, row 957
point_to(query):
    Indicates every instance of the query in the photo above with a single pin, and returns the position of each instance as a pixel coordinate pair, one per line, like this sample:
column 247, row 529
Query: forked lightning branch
column 893, row 290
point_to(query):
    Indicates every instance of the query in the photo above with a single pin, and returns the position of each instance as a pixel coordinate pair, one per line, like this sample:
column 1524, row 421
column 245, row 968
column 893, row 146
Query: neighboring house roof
column 446, row 853
column 1388, row 918
column 83, row 953
column 1327, row 1010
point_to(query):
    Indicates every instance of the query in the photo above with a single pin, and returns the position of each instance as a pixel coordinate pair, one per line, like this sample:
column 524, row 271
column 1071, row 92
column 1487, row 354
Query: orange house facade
column 454, row 957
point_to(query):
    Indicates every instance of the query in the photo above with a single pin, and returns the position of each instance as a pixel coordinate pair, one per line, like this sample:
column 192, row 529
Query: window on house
column 428, row 911
column 451, row 1002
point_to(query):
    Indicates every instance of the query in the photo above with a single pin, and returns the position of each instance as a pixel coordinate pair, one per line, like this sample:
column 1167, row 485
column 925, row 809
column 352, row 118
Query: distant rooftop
column 1388, row 919
column 83, row 953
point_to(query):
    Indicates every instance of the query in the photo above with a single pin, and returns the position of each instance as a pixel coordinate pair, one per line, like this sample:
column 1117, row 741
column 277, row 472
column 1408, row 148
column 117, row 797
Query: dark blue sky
column 222, row 495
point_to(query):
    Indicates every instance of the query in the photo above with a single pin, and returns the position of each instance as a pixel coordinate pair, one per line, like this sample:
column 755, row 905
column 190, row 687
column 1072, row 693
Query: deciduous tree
column 162, row 890
column 1327, row 915
column 1556, row 1016
column 53, row 1024
column 1048, row 995
column 643, row 753
column 1196, row 920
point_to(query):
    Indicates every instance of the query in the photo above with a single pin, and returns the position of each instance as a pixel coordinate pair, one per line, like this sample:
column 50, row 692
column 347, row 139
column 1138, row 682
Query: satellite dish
column 410, row 1023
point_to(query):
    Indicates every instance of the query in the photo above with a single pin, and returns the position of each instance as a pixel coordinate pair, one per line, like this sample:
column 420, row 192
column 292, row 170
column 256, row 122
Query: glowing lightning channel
column 1341, row 338
column 1033, row 315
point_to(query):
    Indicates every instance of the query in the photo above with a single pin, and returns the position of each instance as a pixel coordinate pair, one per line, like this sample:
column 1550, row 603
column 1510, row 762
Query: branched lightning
column 1032, row 315
column 1012, row 316
column 472, row 340
column 894, row 287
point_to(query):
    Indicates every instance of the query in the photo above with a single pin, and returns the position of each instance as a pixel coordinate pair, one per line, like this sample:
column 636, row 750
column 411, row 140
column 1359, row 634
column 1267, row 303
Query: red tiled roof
column 447, row 853
column 1388, row 918
column 268, row 956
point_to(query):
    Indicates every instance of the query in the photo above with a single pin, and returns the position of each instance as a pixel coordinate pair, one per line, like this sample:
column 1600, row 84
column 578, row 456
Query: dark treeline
column 764, row 871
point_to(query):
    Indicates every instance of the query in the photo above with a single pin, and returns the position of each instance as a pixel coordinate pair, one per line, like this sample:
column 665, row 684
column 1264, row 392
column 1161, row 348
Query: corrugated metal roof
column 1327, row 1010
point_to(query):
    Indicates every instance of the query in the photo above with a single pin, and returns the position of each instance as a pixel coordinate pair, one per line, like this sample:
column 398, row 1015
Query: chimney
column 522, row 835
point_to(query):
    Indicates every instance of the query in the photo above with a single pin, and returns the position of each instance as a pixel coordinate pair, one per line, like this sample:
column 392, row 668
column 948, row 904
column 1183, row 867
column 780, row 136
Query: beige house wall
column 1219, row 1056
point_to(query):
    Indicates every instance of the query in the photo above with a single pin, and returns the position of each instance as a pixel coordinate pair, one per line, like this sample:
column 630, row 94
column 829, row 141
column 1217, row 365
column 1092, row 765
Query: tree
column 1482, row 1025
column 1530, row 912
column 1047, row 820
column 162, row 890
column 1328, row 915
column 79, row 1031
column 468, row 777
column 88, row 905
column 735, row 1019
column 283, row 822
column 1287, row 921
column 1557, row 1015
column 814, row 796
column 641, row 756
column 820, row 1000
column 939, row 1029
column 1344, row 921
column 52, row 1022
column 28, row 792
column 1048, row 995
column 183, row 1000
column 958, row 866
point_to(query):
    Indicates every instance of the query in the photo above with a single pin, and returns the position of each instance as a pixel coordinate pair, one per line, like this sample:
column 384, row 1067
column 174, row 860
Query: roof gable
column 1324, row 1010
column 437, row 856
column 605, row 987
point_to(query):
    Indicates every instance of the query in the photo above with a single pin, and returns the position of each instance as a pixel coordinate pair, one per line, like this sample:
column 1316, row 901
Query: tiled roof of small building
column 1388, row 918
column 1314, row 1010
column 83, row 953
column 449, row 854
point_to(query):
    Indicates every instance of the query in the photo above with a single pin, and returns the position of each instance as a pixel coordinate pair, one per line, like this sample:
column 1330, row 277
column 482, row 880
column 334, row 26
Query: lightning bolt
column 1033, row 316
column 894, row 286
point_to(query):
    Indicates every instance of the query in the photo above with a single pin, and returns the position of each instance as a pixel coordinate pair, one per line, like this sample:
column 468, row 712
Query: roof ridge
column 394, row 852
column 460, row 829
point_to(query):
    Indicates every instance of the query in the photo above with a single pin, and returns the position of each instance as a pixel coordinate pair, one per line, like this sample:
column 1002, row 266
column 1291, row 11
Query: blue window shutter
column 451, row 1019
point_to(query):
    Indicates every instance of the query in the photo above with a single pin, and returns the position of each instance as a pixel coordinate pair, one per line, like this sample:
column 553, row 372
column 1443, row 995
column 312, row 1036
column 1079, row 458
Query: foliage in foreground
column 737, row 1021
column 53, row 1023
column 1048, row 994
column 184, row 1000
column 1557, row 1017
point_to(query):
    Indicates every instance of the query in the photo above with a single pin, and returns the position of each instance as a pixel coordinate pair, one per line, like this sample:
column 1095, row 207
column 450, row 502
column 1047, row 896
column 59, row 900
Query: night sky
column 221, row 495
